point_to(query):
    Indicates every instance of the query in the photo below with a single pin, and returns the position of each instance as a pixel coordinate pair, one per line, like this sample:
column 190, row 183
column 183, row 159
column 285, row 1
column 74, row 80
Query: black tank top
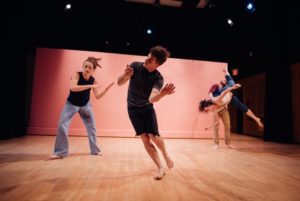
column 81, row 98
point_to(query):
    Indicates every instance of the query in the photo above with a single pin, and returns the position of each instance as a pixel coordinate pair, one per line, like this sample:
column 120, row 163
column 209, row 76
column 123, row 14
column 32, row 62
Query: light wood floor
column 253, row 170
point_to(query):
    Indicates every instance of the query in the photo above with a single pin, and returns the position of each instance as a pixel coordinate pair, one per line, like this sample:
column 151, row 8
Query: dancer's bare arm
column 156, row 95
column 128, row 72
column 76, row 88
column 219, row 98
column 98, row 93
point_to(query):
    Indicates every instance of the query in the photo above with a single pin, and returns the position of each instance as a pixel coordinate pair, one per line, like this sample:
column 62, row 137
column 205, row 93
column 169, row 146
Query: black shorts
column 143, row 120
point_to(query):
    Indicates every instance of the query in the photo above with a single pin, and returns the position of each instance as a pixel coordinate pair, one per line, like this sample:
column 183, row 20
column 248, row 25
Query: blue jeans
column 238, row 104
column 234, row 101
column 61, row 147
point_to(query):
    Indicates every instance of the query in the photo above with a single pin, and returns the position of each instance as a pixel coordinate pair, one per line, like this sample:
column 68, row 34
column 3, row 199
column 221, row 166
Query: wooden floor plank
column 251, row 170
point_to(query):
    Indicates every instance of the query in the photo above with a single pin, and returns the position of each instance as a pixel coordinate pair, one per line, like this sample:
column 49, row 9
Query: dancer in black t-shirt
column 145, row 88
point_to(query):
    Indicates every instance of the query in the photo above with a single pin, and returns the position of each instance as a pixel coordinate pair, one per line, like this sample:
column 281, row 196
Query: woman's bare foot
column 170, row 163
column 259, row 123
column 159, row 174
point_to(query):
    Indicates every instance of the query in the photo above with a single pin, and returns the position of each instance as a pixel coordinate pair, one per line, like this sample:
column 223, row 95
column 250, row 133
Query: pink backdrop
column 177, row 114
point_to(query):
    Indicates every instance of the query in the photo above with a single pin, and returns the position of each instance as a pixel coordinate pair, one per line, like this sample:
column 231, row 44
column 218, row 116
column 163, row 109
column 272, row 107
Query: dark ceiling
column 188, row 32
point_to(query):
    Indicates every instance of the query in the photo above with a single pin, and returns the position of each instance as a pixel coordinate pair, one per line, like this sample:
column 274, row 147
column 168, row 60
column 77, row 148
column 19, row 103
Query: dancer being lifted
column 217, row 89
column 218, row 106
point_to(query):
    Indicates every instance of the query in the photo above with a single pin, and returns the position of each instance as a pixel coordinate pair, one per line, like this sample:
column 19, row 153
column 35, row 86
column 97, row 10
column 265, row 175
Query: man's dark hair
column 160, row 53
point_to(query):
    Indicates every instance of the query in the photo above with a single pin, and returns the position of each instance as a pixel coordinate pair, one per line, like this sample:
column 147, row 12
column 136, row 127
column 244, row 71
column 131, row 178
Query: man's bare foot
column 159, row 174
column 170, row 163
column 54, row 157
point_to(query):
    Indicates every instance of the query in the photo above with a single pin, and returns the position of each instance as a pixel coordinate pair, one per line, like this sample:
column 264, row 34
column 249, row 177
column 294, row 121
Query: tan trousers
column 224, row 115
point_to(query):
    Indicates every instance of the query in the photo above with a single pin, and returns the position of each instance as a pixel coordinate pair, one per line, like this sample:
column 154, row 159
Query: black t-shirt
column 81, row 98
column 141, row 84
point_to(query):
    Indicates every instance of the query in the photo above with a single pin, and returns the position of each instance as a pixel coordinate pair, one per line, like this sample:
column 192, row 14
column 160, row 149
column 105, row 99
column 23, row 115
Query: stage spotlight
column 229, row 22
column 149, row 31
column 68, row 6
column 250, row 6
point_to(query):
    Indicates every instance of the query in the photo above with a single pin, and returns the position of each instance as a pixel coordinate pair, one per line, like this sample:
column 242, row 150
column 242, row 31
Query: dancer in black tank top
column 78, row 101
